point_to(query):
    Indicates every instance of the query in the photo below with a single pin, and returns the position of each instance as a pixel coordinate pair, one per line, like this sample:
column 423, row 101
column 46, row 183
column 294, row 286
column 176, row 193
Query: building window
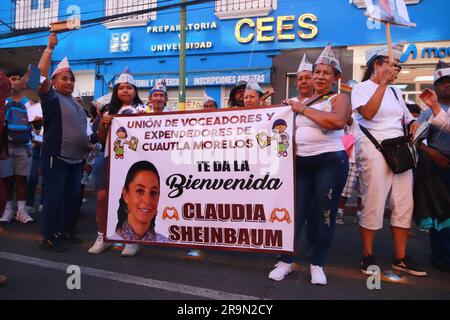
column 360, row 3
column 113, row 7
column 34, row 4
column 33, row 14
column 232, row 9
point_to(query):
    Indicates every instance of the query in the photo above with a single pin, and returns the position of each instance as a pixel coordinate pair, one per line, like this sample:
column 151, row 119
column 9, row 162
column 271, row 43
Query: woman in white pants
column 382, row 111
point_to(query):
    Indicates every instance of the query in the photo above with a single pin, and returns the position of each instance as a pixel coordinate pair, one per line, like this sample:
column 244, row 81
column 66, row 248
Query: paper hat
column 62, row 66
column 101, row 102
column 253, row 85
column 159, row 87
column 442, row 70
column 305, row 65
column 125, row 77
column 397, row 51
column 329, row 57
column 207, row 98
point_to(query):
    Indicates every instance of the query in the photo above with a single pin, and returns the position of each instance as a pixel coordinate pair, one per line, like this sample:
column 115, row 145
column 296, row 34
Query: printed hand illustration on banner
column 133, row 143
column 263, row 140
column 121, row 141
column 280, row 215
column 170, row 213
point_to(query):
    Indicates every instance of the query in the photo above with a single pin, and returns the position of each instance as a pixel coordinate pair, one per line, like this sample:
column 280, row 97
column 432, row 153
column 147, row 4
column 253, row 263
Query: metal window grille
column 123, row 6
column 33, row 14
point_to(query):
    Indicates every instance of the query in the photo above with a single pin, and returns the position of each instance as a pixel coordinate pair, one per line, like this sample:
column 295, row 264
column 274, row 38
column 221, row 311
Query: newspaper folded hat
column 305, row 65
column 373, row 53
column 207, row 98
column 253, row 85
column 126, row 77
column 160, row 86
column 61, row 67
column 442, row 70
column 329, row 57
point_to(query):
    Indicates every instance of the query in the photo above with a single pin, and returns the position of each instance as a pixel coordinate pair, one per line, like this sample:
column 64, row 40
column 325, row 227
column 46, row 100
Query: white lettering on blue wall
column 176, row 46
column 176, row 27
column 427, row 53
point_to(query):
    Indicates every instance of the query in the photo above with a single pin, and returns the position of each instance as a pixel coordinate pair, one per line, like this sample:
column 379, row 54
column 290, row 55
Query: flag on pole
column 390, row 11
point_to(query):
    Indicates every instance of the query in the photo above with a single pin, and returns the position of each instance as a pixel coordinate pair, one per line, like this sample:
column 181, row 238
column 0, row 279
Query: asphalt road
column 166, row 273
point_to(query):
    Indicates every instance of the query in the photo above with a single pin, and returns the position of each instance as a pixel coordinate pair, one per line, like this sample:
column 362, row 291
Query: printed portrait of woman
column 138, row 205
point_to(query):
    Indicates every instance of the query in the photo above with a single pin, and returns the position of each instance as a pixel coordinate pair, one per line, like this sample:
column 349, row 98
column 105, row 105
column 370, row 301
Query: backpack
column 19, row 129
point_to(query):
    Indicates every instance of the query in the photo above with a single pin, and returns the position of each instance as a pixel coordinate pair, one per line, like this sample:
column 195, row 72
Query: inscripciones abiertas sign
column 221, row 179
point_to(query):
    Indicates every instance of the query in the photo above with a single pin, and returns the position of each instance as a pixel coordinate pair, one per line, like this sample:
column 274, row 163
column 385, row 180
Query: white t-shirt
column 311, row 139
column 387, row 123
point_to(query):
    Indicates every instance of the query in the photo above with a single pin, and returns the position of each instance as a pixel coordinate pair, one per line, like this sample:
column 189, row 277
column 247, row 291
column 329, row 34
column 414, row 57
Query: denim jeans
column 97, row 171
column 33, row 177
column 319, row 183
column 62, row 191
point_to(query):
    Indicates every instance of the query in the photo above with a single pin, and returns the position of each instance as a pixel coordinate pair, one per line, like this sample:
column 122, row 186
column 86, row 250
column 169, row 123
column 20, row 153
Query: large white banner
column 222, row 179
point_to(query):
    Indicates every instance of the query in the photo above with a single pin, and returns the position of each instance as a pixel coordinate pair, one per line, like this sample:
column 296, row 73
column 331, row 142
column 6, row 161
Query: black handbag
column 396, row 152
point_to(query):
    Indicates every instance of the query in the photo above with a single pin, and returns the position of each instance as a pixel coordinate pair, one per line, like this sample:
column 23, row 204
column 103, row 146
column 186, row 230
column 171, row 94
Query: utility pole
column 182, row 80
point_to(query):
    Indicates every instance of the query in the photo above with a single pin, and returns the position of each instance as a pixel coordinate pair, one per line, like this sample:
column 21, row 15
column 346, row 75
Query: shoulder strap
column 371, row 138
column 309, row 103
column 395, row 94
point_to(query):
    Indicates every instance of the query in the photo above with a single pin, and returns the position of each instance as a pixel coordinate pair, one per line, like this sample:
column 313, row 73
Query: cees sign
column 281, row 28
column 427, row 53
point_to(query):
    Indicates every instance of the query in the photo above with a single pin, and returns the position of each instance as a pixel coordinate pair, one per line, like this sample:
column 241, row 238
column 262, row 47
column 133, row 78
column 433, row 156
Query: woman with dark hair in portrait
column 124, row 100
column 382, row 115
column 321, row 164
column 138, row 204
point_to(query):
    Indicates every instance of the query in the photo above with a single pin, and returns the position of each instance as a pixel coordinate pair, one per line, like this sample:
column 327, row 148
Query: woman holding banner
column 139, row 204
column 382, row 114
column 124, row 100
column 321, row 164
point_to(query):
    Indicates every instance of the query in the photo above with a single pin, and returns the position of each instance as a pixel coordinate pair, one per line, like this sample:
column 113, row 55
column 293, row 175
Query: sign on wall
column 120, row 42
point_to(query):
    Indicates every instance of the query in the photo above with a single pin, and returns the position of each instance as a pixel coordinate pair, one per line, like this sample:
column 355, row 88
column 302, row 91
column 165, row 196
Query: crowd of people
column 342, row 144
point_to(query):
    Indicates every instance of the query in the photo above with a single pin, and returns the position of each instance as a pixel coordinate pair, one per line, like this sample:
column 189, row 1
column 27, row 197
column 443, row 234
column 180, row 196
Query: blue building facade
column 227, row 40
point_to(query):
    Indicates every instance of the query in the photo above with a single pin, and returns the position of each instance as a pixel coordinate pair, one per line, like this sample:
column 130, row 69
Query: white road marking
column 130, row 279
